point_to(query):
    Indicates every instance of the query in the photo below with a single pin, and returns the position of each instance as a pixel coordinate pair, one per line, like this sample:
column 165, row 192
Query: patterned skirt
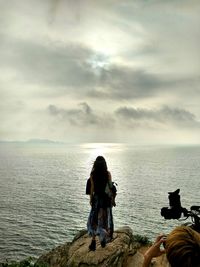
column 100, row 220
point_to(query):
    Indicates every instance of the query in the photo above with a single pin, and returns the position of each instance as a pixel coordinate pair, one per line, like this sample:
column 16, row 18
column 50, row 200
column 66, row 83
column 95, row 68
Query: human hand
column 154, row 250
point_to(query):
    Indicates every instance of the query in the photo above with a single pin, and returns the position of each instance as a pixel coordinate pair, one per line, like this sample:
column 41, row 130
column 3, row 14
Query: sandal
column 92, row 246
column 103, row 243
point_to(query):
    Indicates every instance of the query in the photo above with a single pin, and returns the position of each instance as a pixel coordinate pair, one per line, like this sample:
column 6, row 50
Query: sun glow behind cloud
column 109, row 55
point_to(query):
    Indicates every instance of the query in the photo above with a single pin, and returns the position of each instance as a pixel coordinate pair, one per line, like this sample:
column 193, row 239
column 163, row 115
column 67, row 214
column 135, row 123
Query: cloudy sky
column 100, row 70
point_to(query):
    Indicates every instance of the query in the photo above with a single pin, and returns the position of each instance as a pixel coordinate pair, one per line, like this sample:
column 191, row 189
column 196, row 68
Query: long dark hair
column 99, row 175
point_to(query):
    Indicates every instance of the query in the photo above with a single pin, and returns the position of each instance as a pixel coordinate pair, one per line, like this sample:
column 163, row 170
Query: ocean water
column 42, row 190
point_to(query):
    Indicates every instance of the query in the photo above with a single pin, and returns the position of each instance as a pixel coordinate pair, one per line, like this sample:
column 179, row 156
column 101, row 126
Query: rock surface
column 123, row 251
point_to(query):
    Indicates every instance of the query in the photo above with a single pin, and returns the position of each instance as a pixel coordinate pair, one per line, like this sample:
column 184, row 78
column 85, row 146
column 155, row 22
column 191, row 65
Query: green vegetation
column 143, row 240
column 24, row 263
column 29, row 262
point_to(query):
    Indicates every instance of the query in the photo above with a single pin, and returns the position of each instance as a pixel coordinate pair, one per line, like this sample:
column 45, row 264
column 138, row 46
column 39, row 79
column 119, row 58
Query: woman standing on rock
column 100, row 221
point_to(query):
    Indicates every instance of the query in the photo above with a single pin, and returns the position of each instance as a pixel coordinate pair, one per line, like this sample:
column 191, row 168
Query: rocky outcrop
column 123, row 251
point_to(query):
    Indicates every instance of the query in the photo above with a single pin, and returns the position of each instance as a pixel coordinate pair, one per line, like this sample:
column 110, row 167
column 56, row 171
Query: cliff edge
column 123, row 251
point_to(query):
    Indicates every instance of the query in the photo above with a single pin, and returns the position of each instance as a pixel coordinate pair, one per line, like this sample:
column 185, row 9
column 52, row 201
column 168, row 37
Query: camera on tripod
column 176, row 211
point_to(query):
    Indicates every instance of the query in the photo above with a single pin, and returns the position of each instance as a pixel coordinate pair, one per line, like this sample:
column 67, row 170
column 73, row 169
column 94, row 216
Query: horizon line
column 49, row 141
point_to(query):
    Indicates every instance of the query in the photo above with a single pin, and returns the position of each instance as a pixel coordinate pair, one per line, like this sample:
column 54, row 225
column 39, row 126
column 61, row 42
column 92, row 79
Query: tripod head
column 175, row 210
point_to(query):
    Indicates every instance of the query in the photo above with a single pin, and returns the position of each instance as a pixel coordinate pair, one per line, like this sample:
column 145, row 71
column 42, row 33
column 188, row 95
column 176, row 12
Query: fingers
column 159, row 237
column 159, row 241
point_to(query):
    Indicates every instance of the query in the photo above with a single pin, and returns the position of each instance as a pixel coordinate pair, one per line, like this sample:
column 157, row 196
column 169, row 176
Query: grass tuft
column 143, row 240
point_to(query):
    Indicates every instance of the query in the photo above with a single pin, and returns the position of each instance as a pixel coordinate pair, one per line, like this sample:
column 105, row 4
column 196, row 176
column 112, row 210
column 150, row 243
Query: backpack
column 113, row 190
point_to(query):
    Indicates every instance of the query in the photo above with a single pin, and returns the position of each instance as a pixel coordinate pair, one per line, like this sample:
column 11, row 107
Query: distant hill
column 33, row 141
column 42, row 141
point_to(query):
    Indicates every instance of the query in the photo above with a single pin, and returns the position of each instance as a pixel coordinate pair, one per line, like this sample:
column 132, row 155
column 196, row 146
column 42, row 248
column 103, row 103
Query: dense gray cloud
column 82, row 116
column 164, row 115
column 62, row 65
column 67, row 67
column 120, row 82
column 124, row 83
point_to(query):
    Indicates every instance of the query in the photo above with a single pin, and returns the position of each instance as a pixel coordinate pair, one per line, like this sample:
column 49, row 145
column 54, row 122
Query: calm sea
column 42, row 190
